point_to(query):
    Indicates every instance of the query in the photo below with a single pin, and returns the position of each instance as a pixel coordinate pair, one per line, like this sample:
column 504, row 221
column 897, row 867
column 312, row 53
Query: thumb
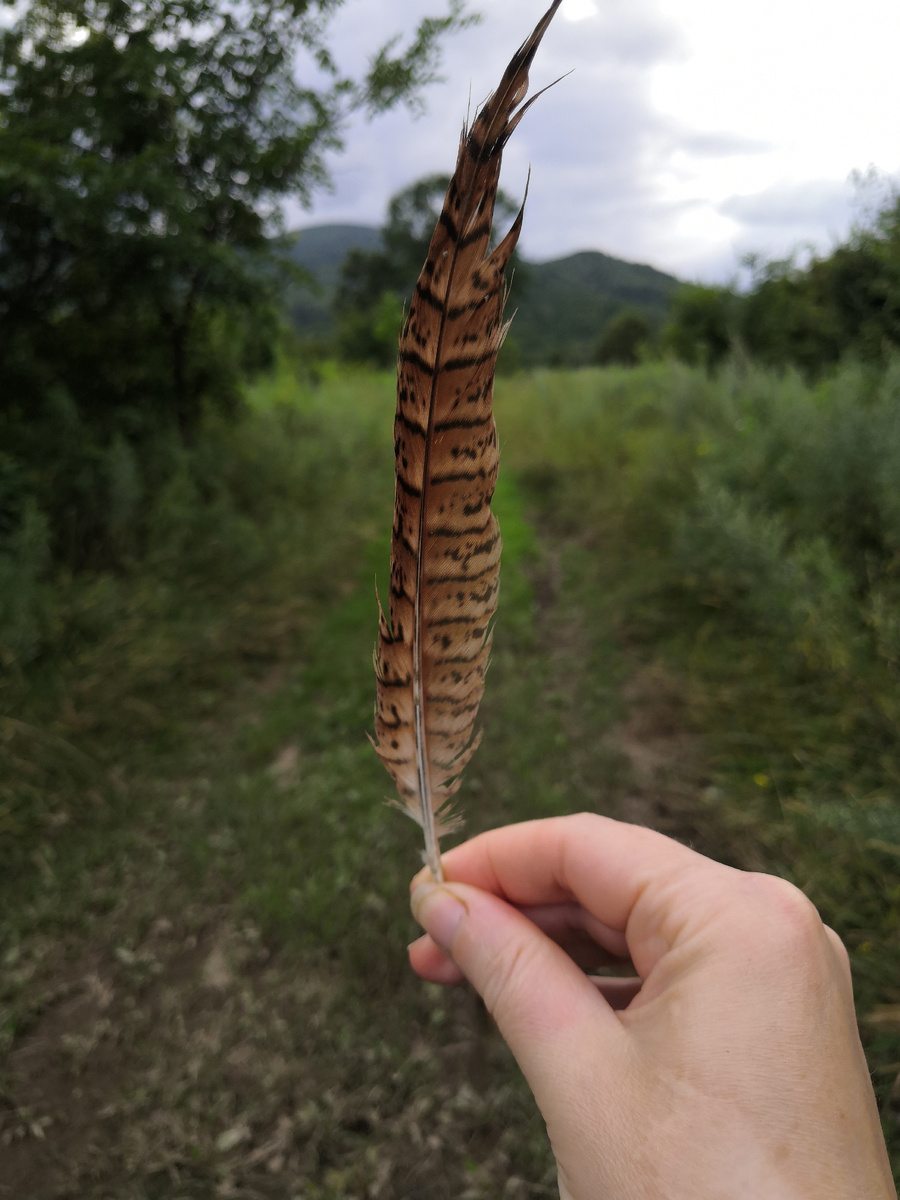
column 545, row 1007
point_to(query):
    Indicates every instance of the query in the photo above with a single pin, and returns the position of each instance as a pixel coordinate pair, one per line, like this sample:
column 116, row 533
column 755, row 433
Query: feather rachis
column 434, row 646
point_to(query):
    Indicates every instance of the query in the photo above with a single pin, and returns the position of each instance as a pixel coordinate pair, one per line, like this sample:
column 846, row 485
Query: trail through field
column 220, row 1006
column 203, row 915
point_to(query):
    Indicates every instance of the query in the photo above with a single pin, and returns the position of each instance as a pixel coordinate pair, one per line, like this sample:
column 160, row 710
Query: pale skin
column 729, row 1069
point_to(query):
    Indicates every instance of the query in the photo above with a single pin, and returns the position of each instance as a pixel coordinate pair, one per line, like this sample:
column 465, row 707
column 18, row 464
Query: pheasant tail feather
column 433, row 649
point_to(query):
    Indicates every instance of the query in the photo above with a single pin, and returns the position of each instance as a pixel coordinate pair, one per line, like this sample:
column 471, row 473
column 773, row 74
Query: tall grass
column 258, row 526
column 741, row 533
column 747, row 526
column 766, row 508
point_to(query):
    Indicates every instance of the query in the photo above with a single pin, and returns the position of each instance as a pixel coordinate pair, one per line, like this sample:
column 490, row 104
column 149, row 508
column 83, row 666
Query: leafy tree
column 789, row 315
column 370, row 335
column 845, row 303
column 145, row 147
column 701, row 327
column 371, row 280
column 624, row 338
column 810, row 316
column 867, row 284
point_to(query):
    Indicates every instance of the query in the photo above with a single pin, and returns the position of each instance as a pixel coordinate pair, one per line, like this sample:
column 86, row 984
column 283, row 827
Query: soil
column 167, row 1051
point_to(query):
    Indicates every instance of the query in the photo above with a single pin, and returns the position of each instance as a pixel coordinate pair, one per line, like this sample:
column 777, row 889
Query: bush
column 624, row 339
column 757, row 505
column 24, row 561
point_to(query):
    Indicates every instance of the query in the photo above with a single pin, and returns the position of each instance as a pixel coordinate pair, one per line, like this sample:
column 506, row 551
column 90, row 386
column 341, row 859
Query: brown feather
column 432, row 654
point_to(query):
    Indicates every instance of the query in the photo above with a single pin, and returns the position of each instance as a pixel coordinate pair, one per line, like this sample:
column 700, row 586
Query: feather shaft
column 434, row 644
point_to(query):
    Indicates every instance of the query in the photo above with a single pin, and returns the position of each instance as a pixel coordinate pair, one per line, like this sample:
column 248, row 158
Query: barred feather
column 432, row 653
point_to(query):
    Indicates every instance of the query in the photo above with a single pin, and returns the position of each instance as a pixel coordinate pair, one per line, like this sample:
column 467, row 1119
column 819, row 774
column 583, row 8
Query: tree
column 623, row 338
column 809, row 316
column 866, row 276
column 701, row 325
column 373, row 283
column 145, row 147
column 789, row 315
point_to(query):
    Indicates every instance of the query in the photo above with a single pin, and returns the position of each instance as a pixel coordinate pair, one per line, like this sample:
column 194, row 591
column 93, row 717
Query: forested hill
column 320, row 250
column 561, row 306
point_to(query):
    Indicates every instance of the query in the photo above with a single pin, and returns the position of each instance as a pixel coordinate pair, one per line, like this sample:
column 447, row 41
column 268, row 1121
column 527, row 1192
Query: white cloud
column 578, row 10
column 689, row 132
column 721, row 145
column 791, row 205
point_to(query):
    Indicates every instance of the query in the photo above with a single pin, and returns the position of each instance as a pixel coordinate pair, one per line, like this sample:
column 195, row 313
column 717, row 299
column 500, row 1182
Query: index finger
column 605, row 865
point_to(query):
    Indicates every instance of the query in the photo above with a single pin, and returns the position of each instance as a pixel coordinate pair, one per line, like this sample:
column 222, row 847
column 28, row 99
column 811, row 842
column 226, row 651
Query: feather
column 432, row 653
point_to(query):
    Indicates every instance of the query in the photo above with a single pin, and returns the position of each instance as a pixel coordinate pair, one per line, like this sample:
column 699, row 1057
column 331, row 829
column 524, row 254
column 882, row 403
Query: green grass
column 744, row 533
column 190, row 755
column 192, row 818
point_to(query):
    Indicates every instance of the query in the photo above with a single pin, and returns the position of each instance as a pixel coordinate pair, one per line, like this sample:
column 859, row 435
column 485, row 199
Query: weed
column 204, row 909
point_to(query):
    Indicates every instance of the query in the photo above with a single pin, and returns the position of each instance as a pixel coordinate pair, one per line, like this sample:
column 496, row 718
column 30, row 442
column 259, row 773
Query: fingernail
column 423, row 876
column 439, row 911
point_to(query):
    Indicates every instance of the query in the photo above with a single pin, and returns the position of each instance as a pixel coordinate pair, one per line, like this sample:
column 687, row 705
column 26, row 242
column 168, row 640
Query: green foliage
column 624, row 339
column 145, row 150
column 208, row 760
column 742, row 529
column 371, row 334
column 701, row 328
column 810, row 317
column 559, row 306
column 747, row 563
column 765, row 503
column 191, row 735
column 24, row 561
column 569, row 301
column 790, row 316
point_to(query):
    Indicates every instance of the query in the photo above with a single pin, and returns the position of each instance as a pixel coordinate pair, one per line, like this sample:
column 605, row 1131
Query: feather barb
column 433, row 647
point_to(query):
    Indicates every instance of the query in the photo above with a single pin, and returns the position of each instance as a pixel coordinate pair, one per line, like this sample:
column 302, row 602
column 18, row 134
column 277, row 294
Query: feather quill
column 432, row 652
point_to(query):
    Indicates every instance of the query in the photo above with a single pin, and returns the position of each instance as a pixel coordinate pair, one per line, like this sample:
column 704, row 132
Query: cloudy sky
column 689, row 132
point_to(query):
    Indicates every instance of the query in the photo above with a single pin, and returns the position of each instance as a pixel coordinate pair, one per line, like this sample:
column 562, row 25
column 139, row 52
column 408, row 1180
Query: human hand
column 730, row 1070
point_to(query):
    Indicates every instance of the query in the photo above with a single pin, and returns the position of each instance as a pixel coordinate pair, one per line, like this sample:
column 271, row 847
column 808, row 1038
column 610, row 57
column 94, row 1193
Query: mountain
column 320, row 250
column 560, row 306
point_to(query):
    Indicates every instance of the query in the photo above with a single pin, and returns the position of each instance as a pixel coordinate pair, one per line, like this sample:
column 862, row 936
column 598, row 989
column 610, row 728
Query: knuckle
column 792, row 920
column 584, row 824
column 839, row 950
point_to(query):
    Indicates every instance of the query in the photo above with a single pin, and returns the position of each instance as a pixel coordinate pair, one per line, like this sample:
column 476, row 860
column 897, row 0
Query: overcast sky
column 689, row 132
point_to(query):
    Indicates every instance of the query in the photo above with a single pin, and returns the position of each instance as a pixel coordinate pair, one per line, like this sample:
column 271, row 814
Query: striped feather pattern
column 433, row 650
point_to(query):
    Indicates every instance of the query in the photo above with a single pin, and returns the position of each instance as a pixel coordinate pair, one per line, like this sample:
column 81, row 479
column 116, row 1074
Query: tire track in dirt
column 662, row 766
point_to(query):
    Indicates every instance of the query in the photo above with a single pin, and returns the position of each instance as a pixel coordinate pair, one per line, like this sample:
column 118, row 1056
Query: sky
column 688, row 134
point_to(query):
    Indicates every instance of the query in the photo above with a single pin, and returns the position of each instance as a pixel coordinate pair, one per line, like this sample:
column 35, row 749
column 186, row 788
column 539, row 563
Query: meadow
column 204, row 918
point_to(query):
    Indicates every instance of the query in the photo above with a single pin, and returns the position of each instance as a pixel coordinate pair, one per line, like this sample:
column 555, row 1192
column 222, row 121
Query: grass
column 204, row 913
column 203, row 895
column 740, row 531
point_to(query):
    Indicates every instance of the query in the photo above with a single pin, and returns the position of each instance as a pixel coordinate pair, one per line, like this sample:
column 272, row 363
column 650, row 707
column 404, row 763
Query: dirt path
column 166, row 1048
